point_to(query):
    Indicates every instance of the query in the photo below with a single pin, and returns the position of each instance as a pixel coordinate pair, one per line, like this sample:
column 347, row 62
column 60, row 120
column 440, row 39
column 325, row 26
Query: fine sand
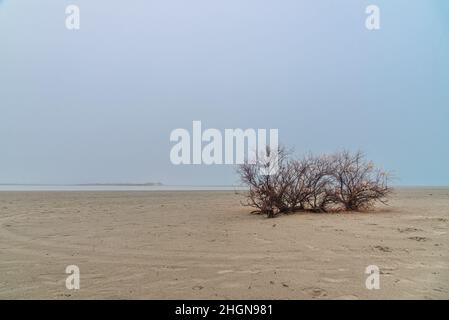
column 205, row 245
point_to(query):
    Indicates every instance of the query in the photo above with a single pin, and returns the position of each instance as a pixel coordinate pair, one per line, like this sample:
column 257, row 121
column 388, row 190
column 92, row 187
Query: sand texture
column 197, row 244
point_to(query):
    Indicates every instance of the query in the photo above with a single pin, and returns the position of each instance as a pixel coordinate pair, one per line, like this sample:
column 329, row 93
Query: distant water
column 116, row 188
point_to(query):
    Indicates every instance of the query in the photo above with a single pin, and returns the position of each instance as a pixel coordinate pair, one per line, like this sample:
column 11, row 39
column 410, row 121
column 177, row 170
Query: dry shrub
column 357, row 183
column 314, row 183
column 266, row 191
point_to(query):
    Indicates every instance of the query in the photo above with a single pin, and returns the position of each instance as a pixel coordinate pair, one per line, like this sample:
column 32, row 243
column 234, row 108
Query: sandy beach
column 205, row 245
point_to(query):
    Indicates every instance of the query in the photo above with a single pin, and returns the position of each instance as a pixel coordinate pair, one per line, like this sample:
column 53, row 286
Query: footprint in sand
column 387, row 271
column 419, row 239
column 382, row 248
column 315, row 292
column 197, row 287
column 409, row 229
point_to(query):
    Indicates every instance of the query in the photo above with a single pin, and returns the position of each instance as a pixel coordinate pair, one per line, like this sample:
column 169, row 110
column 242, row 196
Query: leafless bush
column 357, row 183
column 319, row 181
column 266, row 191
column 309, row 186
column 297, row 189
column 314, row 183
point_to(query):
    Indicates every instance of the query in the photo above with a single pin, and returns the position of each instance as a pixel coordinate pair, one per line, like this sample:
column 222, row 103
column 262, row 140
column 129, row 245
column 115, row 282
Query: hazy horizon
column 98, row 104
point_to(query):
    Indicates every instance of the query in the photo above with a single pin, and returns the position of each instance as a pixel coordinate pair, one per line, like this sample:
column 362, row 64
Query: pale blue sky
column 98, row 104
